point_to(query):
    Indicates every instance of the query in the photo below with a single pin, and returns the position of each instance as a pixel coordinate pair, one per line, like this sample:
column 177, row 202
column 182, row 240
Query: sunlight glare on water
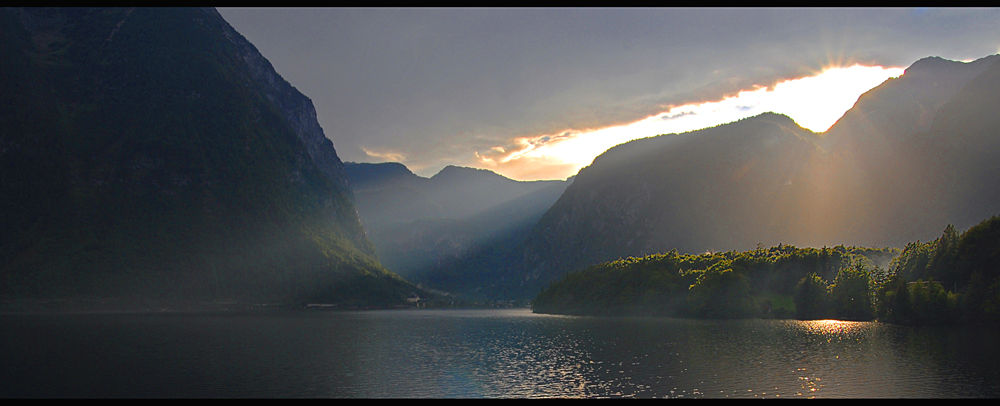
column 484, row 354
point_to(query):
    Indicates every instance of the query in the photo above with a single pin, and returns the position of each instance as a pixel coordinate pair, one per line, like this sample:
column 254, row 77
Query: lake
column 484, row 353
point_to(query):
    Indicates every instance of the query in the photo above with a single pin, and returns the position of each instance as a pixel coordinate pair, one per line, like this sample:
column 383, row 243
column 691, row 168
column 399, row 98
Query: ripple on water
column 485, row 353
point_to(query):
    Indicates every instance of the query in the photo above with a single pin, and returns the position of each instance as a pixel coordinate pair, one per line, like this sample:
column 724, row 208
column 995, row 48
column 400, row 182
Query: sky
column 539, row 93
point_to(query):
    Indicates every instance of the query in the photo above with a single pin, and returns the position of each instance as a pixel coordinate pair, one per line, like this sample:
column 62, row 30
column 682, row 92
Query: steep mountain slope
column 966, row 137
column 156, row 153
column 912, row 155
column 729, row 186
column 890, row 150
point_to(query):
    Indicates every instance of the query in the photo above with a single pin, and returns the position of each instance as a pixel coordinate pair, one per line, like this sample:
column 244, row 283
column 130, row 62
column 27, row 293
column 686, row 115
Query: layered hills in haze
column 914, row 154
column 389, row 192
column 451, row 231
column 156, row 153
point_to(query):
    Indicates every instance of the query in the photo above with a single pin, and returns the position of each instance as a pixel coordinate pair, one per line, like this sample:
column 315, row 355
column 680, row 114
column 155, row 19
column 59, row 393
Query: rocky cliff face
column 299, row 112
column 155, row 152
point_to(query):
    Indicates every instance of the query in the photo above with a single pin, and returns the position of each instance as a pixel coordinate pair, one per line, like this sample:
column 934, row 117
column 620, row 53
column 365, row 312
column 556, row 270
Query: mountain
column 451, row 231
column 897, row 153
column 913, row 154
column 494, row 241
column 732, row 185
column 388, row 192
column 155, row 153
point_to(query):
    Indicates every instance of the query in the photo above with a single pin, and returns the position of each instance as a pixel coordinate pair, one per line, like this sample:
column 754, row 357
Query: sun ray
column 814, row 102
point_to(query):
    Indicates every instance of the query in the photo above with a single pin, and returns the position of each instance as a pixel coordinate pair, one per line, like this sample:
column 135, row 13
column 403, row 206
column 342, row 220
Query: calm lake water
column 484, row 353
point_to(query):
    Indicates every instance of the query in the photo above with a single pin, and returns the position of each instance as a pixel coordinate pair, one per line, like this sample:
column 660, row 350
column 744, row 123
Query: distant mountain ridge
column 448, row 230
column 154, row 153
column 913, row 154
column 389, row 192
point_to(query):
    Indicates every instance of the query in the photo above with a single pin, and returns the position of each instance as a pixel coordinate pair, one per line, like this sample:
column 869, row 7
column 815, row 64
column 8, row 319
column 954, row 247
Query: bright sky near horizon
column 814, row 102
column 538, row 93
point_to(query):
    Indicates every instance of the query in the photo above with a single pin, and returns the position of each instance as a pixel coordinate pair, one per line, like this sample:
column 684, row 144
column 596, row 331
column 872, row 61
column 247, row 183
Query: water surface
column 483, row 353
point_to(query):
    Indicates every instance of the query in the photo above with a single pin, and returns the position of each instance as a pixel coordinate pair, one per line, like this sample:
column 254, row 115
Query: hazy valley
column 175, row 220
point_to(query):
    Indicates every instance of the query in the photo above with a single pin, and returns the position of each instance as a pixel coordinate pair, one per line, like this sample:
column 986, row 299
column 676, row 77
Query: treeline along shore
column 952, row 279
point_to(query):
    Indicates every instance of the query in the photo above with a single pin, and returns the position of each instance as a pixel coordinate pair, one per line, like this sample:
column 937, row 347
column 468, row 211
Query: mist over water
column 483, row 353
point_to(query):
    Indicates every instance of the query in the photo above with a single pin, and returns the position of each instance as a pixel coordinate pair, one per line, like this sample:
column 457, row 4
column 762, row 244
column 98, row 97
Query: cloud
column 437, row 86
column 532, row 168
column 384, row 156
column 666, row 117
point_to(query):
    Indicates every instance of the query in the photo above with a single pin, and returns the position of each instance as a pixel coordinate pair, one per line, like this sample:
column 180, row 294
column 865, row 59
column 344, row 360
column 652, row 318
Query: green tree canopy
column 812, row 300
column 849, row 294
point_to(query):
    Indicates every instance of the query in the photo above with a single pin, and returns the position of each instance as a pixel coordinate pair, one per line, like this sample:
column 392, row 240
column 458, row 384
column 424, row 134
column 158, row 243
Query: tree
column 849, row 294
column 942, row 263
column 912, row 262
column 721, row 293
column 893, row 301
column 931, row 304
column 811, row 298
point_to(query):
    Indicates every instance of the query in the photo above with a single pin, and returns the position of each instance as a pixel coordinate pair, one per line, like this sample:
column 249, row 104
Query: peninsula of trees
column 954, row 278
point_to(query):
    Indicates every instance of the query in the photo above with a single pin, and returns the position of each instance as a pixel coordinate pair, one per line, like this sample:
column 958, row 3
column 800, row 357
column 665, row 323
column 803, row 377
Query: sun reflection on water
column 836, row 327
column 490, row 354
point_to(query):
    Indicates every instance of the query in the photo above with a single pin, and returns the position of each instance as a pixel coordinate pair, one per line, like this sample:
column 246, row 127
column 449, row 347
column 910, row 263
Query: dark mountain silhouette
column 917, row 152
column 731, row 185
column 155, row 153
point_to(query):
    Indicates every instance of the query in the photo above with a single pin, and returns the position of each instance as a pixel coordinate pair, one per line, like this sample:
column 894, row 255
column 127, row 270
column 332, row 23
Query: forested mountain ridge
column 156, row 153
column 911, row 155
column 734, row 182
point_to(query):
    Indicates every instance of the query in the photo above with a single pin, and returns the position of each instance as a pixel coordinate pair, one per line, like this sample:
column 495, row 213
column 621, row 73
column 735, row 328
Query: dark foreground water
column 483, row 353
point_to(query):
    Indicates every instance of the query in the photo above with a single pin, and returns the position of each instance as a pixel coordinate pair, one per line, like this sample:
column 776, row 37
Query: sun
column 813, row 102
column 817, row 102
